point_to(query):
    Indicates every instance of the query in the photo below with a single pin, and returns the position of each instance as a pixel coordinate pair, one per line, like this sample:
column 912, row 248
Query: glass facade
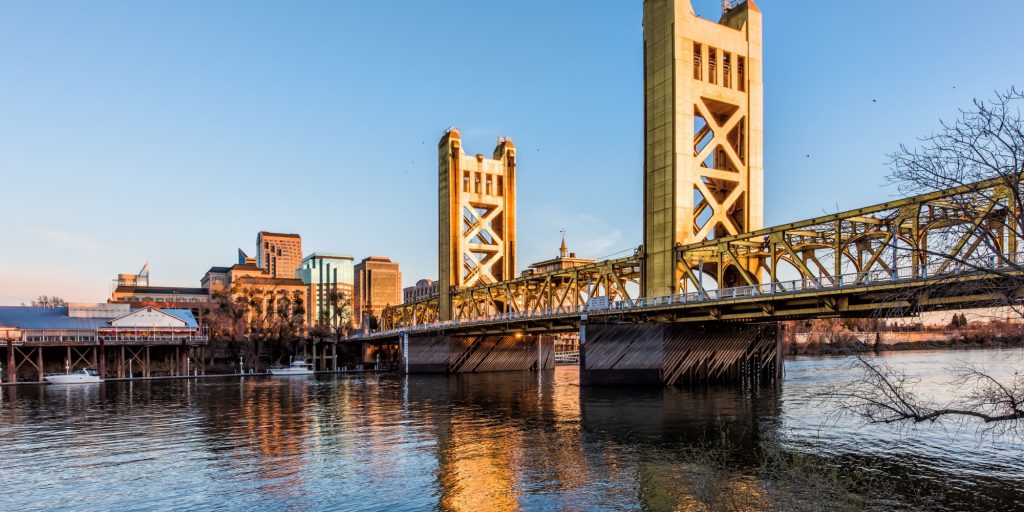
column 323, row 275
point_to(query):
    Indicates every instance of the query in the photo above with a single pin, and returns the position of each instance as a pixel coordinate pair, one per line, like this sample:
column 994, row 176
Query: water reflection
column 461, row 443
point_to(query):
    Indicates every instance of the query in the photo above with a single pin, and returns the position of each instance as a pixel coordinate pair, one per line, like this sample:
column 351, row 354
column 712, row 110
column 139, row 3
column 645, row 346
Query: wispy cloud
column 599, row 238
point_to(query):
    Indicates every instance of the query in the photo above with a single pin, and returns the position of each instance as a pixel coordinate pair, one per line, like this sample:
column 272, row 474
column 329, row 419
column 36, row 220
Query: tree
column 981, row 155
column 334, row 320
column 886, row 395
column 955, row 322
column 51, row 301
column 226, row 322
column 259, row 315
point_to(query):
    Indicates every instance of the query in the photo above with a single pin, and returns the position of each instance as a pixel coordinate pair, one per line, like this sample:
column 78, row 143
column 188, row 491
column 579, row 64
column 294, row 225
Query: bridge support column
column 477, row 354
column 678, row 354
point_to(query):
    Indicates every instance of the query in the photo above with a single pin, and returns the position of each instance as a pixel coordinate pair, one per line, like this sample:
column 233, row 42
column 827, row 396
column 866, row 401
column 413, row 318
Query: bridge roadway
column 907, row 291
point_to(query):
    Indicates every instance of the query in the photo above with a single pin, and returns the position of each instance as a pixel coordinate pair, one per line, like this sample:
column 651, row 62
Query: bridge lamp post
column 700, row 280
column 895, row 259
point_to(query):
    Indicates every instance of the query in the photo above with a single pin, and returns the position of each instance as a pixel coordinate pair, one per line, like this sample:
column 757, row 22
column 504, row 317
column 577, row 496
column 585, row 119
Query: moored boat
column 299, row 366
column 81, row 376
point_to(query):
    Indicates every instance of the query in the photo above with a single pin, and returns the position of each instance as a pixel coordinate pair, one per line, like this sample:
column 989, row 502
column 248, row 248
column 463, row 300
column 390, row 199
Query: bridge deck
column 903, row 292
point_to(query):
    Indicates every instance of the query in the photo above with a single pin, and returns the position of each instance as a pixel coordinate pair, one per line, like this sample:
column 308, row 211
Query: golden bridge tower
column 477, row 201
column 703, row 147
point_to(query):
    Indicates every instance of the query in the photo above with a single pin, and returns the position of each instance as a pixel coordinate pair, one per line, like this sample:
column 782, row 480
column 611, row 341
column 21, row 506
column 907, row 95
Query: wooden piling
column 39, row 357
column 102, row 349
column 12, row 374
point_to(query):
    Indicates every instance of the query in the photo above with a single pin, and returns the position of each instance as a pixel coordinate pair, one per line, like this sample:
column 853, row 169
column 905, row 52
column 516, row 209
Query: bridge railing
column 931, row 271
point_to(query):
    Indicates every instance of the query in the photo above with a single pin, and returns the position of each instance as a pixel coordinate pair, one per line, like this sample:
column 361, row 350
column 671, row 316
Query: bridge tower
column 477, row 201
column 703, row 147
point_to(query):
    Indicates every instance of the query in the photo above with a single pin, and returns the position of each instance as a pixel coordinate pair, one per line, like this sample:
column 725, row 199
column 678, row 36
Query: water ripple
column 483, row 442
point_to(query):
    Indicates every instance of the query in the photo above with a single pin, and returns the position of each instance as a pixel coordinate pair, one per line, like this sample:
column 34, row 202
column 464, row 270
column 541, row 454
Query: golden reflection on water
column 272, row 418
column 459, row 443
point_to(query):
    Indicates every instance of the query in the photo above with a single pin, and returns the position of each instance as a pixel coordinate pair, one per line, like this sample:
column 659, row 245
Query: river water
column 479, row 442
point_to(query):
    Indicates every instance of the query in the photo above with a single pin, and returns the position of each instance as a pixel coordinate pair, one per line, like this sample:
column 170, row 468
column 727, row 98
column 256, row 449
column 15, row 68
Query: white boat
column 82, row 376
column 299, row 366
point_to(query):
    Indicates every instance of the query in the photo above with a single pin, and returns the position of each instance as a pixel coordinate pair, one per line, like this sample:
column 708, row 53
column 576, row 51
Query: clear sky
column 174, row 131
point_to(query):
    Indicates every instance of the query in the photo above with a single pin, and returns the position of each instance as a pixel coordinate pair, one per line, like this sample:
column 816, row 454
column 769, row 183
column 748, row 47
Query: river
column 477, row 442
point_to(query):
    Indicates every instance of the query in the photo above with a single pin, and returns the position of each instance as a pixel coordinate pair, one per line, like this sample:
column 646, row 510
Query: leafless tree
column 48, row 301
column 981, row 156
column 887, row 395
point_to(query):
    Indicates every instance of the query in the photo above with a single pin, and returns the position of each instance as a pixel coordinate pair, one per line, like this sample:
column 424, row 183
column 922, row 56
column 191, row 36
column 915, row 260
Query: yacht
column 82, row 376
column 299, row 366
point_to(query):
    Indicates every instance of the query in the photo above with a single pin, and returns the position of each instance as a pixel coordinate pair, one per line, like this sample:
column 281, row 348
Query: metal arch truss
column 918, row 237
column 422, row 312
column 970, row 227
column 564, row 290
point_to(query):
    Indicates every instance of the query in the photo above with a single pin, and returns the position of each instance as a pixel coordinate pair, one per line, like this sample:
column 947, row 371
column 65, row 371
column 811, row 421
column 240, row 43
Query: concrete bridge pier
column 669, row 354
column 477, row 354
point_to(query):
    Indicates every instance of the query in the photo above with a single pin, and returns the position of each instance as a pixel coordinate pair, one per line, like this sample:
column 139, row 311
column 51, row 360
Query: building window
column 712, row 65
column 698, row 66
column 727, row 69
column 741, row 78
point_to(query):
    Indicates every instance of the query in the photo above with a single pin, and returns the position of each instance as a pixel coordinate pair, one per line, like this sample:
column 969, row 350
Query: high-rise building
column 378, row 284
column 704, row 117
column 263, row 282
column 279, row 254
column 329, row 279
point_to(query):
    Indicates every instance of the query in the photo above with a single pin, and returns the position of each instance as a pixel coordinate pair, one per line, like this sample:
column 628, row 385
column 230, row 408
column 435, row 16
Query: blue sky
column 174, row 131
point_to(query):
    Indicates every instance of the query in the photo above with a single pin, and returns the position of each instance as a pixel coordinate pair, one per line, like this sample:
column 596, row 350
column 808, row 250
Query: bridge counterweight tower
column 703, row 147
column 477, row 207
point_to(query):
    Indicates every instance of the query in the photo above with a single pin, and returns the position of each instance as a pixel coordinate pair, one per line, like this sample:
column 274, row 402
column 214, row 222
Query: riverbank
column 853, row 345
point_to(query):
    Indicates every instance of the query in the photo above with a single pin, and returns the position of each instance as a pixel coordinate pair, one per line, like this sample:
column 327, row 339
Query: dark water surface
column 479, row 442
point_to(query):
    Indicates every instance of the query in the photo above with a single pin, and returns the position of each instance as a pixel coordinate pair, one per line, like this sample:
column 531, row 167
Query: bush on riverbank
column 851, row 345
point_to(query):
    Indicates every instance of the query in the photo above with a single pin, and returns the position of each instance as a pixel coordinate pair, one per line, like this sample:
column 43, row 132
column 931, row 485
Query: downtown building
column 424, row 289
column 378, row 284
column 264, row 281
column 329, row 280
column 136, row 291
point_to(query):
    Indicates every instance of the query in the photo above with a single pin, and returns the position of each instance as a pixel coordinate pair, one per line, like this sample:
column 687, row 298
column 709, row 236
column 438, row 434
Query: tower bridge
column 700, row 299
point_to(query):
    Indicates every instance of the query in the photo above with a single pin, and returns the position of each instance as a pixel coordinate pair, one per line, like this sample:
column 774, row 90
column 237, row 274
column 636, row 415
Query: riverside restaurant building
column 111, row 323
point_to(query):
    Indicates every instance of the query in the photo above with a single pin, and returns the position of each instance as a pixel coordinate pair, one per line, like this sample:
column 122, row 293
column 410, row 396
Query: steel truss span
column 954, row 248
